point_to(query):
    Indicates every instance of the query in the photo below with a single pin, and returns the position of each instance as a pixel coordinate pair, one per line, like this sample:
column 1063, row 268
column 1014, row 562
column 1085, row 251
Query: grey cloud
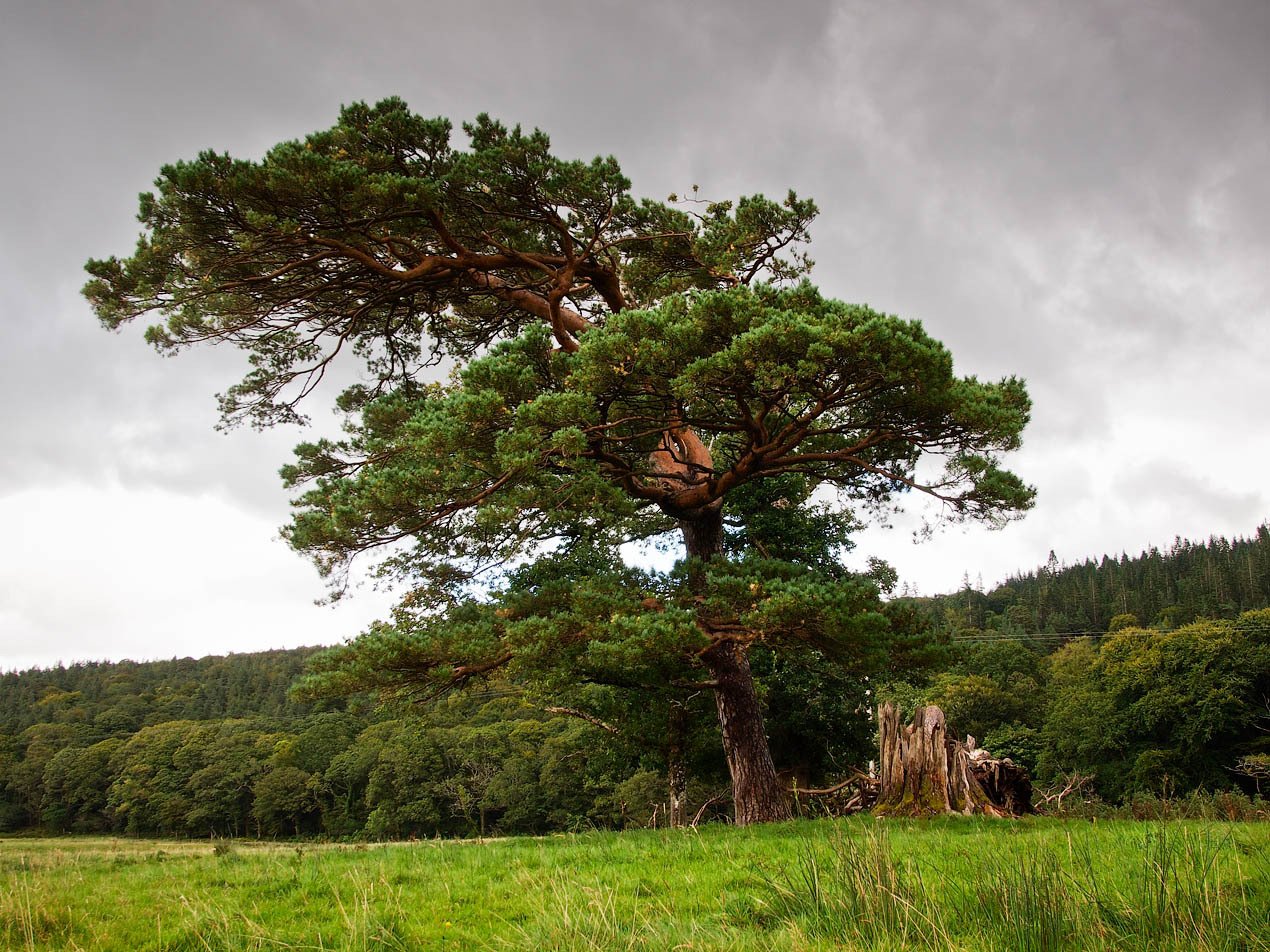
column 1166, row 484
column 1073, row 192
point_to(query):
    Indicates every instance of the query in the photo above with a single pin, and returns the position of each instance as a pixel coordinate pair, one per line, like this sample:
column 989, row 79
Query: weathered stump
column 1008, row 785
column 925, row 772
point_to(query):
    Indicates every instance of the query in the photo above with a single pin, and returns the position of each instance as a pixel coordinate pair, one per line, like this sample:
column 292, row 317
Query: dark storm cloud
column 1074, row 192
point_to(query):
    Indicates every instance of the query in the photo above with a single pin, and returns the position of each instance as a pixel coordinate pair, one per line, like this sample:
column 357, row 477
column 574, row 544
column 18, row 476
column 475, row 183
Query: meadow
column 806, row 885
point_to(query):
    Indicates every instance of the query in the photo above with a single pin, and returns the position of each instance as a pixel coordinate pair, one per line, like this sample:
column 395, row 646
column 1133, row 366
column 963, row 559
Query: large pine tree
column 626, row 368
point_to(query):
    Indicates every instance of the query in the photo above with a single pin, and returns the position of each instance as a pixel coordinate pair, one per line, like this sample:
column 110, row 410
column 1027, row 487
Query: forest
column 1148, row 676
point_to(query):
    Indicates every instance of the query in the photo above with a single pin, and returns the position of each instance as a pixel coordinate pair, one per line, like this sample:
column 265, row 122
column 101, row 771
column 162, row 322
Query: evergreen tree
column 623, row 371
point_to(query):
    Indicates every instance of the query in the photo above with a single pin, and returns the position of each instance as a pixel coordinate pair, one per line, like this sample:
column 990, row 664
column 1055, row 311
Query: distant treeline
column 1175, row 698
column 216, row 746
column 1188, row 581
column 466, row 767
column 122, row 697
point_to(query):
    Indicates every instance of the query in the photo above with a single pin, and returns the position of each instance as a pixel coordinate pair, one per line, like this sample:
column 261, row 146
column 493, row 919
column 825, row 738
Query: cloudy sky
column 1075, row 192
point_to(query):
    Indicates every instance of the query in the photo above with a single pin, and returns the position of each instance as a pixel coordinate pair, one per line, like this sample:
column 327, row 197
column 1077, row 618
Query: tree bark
column 925, row 772
column 676, row 768
column 758, row 796
column 703, row 535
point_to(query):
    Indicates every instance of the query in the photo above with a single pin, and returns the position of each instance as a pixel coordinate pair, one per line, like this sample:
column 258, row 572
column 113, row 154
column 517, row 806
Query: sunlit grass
column 809, row 885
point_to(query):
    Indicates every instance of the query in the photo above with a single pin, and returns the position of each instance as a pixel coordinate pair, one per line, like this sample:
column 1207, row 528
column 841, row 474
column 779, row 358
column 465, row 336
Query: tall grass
column 859, row 892
column 1189, row 889
column 806, row 886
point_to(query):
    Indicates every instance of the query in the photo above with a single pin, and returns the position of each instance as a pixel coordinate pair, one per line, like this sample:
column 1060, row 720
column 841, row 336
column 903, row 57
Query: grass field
column 807, row 885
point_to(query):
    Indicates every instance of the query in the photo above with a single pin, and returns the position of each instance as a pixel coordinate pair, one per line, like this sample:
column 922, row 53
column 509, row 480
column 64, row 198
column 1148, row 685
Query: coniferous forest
column 1215, row 579
column 1148, row 675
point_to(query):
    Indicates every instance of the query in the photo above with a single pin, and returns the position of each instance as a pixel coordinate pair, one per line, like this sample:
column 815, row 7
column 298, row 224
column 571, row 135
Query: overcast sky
column 1074, row 192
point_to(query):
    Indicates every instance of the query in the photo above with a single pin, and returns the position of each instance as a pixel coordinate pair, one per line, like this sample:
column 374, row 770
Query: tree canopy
column 625, row 369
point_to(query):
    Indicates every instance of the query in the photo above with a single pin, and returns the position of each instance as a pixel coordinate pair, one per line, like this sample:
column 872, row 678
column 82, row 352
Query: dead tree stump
column 926, row 772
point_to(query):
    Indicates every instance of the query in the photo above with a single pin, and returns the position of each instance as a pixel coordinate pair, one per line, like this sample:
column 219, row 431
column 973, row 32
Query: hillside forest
column 1150, row 675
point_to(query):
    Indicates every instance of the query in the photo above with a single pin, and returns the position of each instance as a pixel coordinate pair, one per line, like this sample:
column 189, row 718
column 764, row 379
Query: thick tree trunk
column 924, row 771
column 758, row 796
column 703, row 535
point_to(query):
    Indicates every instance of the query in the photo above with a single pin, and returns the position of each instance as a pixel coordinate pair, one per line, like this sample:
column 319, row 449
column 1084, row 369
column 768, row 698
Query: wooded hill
column 216, row 745
column 124, row 696
column 1215, row 579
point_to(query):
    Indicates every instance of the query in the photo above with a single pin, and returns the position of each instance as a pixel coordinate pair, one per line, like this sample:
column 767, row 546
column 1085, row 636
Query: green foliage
column 817, row 711
column 379, row 237
column 358, row 235
column 1007, row 661
column 975, row 704
column 75, row 784
column 1145, row 711
column 1122, row 621
column 638, row 798
column 1150, row 710
column 149, row 793
column 992, row 684
column 904, row 695
column 623, row 370
column 530, row 444
column 321, row 772
column 1021, row 744
column 283, row 799
column 118, row 698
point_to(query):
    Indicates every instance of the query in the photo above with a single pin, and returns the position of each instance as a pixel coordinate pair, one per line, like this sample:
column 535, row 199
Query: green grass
column 807, row 885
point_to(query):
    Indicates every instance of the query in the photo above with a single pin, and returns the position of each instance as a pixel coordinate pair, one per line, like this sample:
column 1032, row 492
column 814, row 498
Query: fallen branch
column 715, row 799
column 1075, row 782
column 857, row 776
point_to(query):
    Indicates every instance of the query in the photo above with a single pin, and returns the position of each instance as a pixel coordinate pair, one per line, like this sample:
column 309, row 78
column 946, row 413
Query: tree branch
column 583, row 715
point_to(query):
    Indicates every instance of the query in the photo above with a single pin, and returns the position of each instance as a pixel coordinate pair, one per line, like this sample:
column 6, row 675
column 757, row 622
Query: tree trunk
column 703, row 535
column 925, row 772
column 758, row 796
column 757, row 793
column 676, row 768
